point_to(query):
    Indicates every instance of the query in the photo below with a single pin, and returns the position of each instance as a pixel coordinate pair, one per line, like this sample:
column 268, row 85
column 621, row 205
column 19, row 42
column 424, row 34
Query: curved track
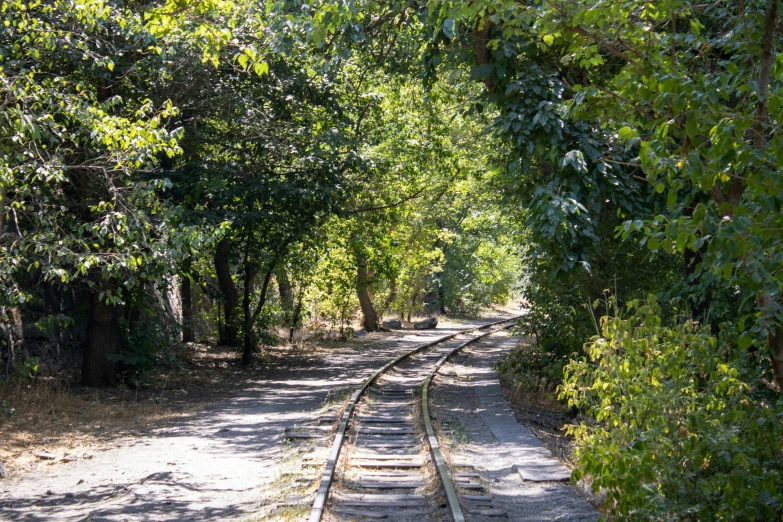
column 377, row 463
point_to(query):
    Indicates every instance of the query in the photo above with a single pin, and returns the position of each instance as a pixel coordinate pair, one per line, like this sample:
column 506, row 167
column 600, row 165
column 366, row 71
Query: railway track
column 385, row 462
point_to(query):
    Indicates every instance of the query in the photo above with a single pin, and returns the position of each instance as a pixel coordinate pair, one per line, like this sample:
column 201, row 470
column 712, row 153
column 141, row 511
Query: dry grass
column 275, row 507
column 48, row 416
column 537, row 391
column 53, row 414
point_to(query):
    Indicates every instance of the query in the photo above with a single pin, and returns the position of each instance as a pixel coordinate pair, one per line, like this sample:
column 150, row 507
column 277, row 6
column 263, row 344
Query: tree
column 72, row 148
column 700, row 108
column 84, row 133
column 265, row 177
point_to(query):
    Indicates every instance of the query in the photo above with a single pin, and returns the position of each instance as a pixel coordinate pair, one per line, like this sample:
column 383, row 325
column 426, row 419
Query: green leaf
column 627, row 133
column 671, row 199
column 691, row 128
column 576, row 159
column 699, row 213
column 261, row 68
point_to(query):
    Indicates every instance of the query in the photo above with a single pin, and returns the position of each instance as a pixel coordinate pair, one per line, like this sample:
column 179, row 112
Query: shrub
column 686, row 428
column 559, row 327
column 148, row 333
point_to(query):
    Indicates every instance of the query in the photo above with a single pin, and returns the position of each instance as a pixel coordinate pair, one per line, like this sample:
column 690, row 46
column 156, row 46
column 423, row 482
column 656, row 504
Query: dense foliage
column 685, row 431
column 323, row 163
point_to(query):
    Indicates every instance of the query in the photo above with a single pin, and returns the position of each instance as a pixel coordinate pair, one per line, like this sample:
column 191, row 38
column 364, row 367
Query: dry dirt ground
column 177, row 453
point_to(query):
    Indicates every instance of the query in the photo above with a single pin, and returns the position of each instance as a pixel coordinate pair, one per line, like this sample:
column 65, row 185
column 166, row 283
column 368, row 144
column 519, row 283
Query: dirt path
column 484, row 437
column 218, row 465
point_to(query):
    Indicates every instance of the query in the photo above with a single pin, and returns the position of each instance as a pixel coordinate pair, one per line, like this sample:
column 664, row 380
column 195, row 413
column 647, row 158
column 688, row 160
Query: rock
column 45, row 455
column 70, row 458
column 3, row 471
column 360, row 333
column 87, row 456
column 394, row 324
column 426, row 324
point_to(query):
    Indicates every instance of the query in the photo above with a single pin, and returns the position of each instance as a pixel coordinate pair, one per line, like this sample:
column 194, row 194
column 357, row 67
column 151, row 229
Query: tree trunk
column 441, row 296
column 441, row 290
column 295, row 319
column 188, row 336
column 3, row 191
column 775, row 345
column 103, row 338
column 250, row 279
column 362, row 292
column 7, row 340
column 737, row 186
column 247, row 354
column 699, row 305
column 392, row 295
column 483, row 55
column 767, row 59
column 286, row 297
column 765, row 302
column 12, row 325
column 413, row 305
column 229, row 291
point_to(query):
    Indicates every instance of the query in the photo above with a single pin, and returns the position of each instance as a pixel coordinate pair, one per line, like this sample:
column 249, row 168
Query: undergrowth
column 686, row 427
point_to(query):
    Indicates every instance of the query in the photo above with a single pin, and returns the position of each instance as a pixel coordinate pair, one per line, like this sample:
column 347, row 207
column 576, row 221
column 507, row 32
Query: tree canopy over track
column 617, row 164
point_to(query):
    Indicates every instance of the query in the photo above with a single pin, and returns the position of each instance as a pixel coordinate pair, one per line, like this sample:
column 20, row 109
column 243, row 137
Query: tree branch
column 379, row 22
column 767, row 58
column 383, row 207
column 262, row 298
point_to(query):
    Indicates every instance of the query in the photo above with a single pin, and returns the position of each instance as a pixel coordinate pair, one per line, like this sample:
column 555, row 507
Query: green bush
column 147, row 337
column 558, row 326
column 563, row 304
column 534, row 367
column 686, row 428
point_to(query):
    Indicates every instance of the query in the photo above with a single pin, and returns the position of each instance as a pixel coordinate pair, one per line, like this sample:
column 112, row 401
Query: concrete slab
column 492, row 443
column 547, row 471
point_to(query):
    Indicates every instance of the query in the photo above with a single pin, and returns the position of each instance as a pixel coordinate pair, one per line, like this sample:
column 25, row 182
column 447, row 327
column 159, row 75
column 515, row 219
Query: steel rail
column 322, row 495
column 437, row 456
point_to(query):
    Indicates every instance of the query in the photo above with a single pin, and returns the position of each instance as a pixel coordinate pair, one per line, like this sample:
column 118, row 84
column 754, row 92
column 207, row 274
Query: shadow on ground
column 216, row 465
